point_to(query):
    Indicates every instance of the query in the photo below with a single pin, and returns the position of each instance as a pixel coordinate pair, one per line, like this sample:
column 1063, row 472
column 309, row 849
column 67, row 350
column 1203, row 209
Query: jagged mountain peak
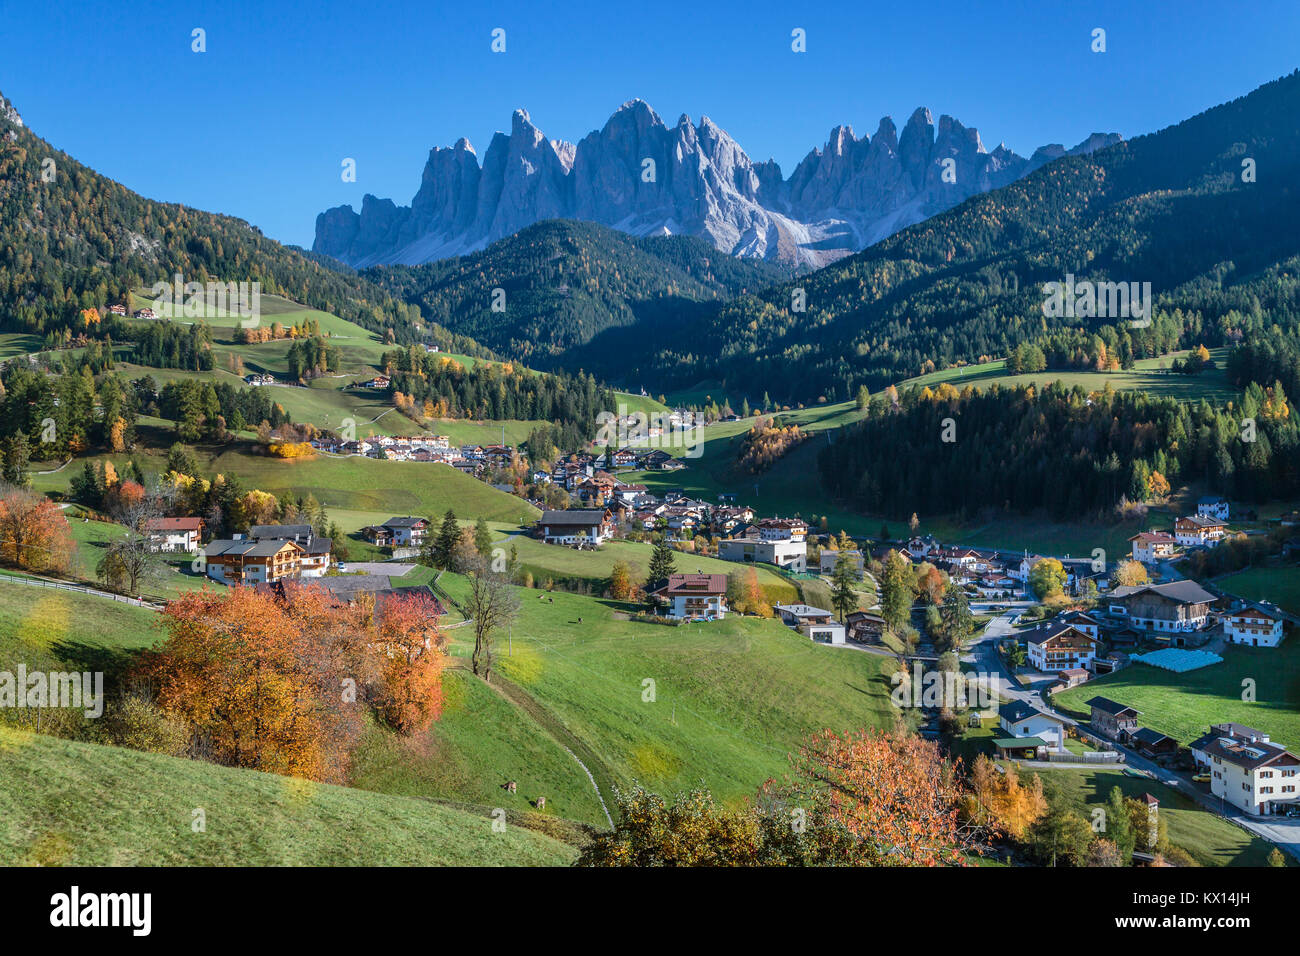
column 645, row 178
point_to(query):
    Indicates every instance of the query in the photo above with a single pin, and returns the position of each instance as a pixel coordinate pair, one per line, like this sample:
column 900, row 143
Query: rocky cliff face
column 10, row 115
column 643, row 177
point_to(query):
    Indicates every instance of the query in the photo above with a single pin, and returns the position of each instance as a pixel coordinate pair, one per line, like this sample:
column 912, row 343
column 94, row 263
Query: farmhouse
column 1212, row 506
column 1177, row 606
column 864, row 627
column 1057, row 646
column 406, row 530
column 175, row 534
column 660, row 460
column 1112, row 719
column 246, row 561
column 1152, row 546
column 696, row 597
column 1258, row 624
column 817, row 624
column 1152, row 743
column 576, row 526
column 1196, row 531
column 1022, row 720
column 314, row 560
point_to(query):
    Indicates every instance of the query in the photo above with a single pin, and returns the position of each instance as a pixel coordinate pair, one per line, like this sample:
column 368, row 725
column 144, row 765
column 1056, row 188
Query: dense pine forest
column 1059, row 450
column 442, row 387
column 563, row 283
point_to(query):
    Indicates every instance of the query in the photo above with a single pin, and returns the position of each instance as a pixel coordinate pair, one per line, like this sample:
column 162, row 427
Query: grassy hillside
column 42, row 627
column 1147, row 375
column 1281, row 585
column 553, row 561
column 481, row 742
column 143, row 805
column 343, row 484
column 732, row 698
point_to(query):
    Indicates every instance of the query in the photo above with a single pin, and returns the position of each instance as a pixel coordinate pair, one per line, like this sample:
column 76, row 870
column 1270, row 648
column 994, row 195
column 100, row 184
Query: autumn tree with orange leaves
column 999, row 802
column 34, row 533
column 280, row 683
column 408, row 689
column 893, row 792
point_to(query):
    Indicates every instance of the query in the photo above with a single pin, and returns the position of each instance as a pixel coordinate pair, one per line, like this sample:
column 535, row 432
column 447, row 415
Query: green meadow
column 64, row 803
column 1184, row 705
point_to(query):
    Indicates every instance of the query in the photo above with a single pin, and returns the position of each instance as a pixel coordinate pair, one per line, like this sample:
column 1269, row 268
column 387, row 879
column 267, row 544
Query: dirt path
column 571, row 744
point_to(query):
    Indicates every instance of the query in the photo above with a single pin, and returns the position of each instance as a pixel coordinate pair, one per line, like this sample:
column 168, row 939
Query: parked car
column 1201, row 778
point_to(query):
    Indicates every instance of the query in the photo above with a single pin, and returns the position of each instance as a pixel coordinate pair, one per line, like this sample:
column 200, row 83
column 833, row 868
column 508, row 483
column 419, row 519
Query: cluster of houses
column 1078, row 644
column 269, row 555
column 585, row 470
column 1240, row 764
column 778, row 541
column 1244, row 767
column 471, row 459
column 120, row 311
column 1207, row 528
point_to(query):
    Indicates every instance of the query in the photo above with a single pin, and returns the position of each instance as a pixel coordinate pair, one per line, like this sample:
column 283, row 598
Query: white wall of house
column 826, row 633
column 567, row 535
column 1255, row 630
column 1253, row 790
column 791, row 555
column 1038, row 725
column 175, row 541
column 1218, row 510
column 1198, row 537
column 1038, row 658
column 701, row 606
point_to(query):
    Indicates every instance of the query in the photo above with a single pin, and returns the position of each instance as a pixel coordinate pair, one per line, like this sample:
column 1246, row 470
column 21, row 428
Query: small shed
column 1152, row 743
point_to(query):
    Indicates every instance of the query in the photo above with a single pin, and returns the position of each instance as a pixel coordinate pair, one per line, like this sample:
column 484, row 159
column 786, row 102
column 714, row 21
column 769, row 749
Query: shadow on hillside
column 113, row 663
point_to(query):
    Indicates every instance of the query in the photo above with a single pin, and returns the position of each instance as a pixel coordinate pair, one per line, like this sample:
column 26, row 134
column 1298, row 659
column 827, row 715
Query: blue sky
column 258, row 125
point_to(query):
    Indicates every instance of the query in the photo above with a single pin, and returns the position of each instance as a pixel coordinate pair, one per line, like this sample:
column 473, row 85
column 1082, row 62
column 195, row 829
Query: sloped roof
column 573, row 516
column 1018, row 710
column 688, row 584
column 1051, row 629
column 406, row 521
column 175, row 524
column 1108, row 706
column 1184, row 592
column 273, row 531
